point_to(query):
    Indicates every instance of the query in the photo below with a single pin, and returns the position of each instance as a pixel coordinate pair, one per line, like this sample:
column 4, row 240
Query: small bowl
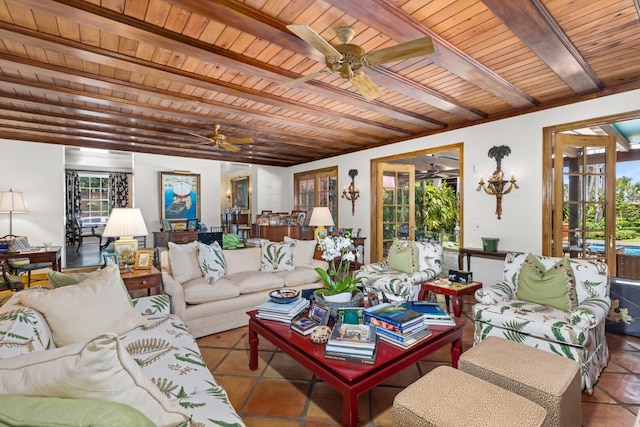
column 284, row 295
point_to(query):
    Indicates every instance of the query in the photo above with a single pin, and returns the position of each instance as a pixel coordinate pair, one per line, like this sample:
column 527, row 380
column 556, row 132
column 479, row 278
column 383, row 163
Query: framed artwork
column 240, row 192
column 144, row 259
column 302, row 217
column 319, row 313
column 110, row 258
column 180, row 226
column 180, row 198
column 192, row 224
column 166, row 225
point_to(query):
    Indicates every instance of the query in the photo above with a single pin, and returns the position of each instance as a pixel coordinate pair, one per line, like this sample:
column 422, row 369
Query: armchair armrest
column 176, row 292
column 494, row 294
column 376, row 266
column 591, row 311
column 152, row 306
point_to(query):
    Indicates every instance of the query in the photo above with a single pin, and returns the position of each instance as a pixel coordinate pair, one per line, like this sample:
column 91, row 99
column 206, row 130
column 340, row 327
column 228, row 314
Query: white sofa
column 209, row 308
column 156, row 369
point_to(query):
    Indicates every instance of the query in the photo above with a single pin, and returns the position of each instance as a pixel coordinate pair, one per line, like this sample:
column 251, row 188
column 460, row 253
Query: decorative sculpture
column 497, row 185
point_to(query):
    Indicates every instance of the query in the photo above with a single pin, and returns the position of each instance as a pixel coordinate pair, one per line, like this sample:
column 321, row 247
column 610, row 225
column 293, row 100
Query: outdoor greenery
column 436, row 210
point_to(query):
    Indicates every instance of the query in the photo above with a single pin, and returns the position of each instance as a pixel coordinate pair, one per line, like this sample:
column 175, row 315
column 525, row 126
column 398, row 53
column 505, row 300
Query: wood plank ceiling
column 144, row 75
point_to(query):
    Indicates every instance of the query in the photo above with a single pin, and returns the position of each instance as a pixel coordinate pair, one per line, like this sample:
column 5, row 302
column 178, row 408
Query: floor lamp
column 12, row 202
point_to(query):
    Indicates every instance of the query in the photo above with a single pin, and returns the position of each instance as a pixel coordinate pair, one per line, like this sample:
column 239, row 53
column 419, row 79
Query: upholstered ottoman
column 447, row 397
column 550, row 380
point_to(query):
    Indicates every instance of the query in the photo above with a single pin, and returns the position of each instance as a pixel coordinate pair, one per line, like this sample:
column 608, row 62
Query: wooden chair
column 80, row 234
column 9, row 281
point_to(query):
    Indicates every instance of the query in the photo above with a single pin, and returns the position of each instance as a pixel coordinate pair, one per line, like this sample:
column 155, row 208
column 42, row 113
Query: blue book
column 427, row 308
column 393, row 317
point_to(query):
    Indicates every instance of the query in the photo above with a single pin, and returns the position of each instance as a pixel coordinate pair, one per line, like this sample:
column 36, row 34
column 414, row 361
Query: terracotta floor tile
column 237, row 363
column 270, row 422
column 624, row 388
column 213, row 356
column 404, row 378
column 594, row 415
column 226, row 339
column 278, row 398
column 283, row 366
column 598, row 396
column 238, row 388
column 629, row 360
column 326, row 405
column 382, row 405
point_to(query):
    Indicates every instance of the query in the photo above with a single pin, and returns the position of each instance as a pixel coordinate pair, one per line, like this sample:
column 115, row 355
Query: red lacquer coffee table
column 348, row 378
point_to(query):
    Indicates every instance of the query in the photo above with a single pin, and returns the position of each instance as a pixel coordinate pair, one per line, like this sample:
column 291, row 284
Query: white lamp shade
column 125, row 222
column 12, row 202
column 321, row 216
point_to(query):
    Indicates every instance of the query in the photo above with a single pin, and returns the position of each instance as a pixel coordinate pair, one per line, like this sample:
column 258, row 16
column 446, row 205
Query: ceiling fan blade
column 305, row 78
column 307, row 34
column 209, row 140
column 240, row 140
column 365, row 86
column 228, row 147
column 418, row 47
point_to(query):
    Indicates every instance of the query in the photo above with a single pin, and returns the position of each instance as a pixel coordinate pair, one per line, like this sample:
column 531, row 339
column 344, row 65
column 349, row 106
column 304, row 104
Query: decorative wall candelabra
column 352, row 193
column 497, row 185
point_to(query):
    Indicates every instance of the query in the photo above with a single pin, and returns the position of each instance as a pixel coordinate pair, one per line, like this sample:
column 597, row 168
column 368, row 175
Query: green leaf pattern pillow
column 212, row 262
column 277, row 256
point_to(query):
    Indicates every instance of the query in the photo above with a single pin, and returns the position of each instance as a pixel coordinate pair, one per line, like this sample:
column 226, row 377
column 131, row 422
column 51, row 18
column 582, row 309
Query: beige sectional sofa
column 207, row 308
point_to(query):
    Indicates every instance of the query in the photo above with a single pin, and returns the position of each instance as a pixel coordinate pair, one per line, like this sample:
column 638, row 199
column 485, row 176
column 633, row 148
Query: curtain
column 73, row 198
column 118, row 190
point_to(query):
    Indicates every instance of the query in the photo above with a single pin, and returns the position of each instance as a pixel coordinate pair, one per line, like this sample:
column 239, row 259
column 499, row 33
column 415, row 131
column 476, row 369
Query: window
column 94, row 202
column 317, row 188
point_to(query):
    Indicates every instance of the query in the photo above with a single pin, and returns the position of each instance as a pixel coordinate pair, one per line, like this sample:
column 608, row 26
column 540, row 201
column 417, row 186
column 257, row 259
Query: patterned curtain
column 118, row 190
column 73, row 199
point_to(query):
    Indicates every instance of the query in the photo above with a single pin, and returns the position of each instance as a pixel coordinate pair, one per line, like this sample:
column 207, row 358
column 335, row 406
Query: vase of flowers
column 339, row 286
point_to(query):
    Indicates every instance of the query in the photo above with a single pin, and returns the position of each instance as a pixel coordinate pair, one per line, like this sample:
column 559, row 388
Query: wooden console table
column 479, row 253
column 276, row 233
column 39, row 255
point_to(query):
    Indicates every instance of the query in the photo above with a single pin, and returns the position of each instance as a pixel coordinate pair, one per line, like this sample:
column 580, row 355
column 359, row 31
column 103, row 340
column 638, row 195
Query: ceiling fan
column 218, row 140
column 348, row 58
column 434, row 172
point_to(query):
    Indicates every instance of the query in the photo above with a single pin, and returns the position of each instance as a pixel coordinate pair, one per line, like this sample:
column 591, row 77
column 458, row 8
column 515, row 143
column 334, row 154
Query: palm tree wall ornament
column 497, row 185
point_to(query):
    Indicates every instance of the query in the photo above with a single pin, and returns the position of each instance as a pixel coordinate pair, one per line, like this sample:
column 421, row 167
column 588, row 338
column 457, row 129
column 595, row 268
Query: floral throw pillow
column 277, row 256
column 211, row 260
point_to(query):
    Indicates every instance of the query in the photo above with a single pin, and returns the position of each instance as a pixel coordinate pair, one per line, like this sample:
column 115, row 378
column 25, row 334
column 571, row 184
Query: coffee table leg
column 253, row 348
column 457, row 305
column 456, row 351
column 350, row 409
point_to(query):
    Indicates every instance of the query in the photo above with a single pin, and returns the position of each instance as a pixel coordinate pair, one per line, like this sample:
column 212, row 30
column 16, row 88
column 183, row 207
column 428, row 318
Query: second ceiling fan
column 349, row 58
column 220, row 141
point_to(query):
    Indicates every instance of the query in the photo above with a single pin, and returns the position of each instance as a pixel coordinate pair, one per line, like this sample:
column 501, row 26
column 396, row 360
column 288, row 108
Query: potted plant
column 339, row 285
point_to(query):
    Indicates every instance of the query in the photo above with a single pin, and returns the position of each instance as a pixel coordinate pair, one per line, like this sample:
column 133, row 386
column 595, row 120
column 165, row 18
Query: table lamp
column 12, row 202
column 320, row 218
column 125, row 223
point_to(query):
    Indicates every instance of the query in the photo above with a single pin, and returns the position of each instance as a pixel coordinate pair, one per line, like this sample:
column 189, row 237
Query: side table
column 143, row 283
column 447, row 288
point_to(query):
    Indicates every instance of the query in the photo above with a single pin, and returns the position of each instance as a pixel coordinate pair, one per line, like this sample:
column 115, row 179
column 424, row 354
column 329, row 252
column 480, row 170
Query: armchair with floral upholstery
column 555, row 304
column 408, row 265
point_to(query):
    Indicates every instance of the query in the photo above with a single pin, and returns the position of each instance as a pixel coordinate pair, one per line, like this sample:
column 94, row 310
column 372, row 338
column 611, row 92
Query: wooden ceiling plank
column 394, row 22
column 533, row 24
column 68, row 48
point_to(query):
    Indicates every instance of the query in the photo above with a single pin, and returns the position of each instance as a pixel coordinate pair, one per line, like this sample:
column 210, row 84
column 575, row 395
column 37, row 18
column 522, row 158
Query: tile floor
column 282, row 393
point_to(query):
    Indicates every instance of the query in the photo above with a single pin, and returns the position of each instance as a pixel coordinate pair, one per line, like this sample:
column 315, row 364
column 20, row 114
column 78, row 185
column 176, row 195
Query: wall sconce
column 352, row 193
column 229, row 195
column 497, row 185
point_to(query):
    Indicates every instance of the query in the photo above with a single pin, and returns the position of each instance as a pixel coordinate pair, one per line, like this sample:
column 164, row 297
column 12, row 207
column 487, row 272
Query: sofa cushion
column 299, row 276
column 403, row 256
column 253, row 281
column 277, row 256
column 98, row 369
column 211, row 261
column 429, row 256
column 554, row 287
column 303, row 251
column 58, row 279
column 22, row 329
column 240, row 260
column 80, row 312
column 184, row 261
column 198, row 291
column 35, row 411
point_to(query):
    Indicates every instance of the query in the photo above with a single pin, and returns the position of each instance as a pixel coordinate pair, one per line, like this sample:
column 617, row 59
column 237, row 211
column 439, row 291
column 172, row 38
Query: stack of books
column 282, row 312
column 352, row 343
column 432, row 312
column 397, row 324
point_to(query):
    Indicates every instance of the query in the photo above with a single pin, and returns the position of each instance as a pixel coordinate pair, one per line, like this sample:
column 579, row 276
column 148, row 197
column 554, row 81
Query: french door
column 394, row 215
column 584, row 185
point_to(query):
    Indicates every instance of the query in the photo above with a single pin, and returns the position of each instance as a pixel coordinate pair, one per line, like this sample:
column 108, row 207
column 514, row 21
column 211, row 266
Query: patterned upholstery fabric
column 165, row 350
column 578, row 334
column 378, row 276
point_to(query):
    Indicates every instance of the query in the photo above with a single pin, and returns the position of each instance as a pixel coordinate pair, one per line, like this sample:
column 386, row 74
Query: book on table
column 361, row 336
column 351, row 357
column 393, row 317
column 402, row 338
column 266, row 311
column 432, row 312
column 417, row 338
column 307, row 322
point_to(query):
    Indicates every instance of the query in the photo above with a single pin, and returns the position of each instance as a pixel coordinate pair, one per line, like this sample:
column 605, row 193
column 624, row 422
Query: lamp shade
column 321, row 216
column 12, row 202
column 125, row 222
